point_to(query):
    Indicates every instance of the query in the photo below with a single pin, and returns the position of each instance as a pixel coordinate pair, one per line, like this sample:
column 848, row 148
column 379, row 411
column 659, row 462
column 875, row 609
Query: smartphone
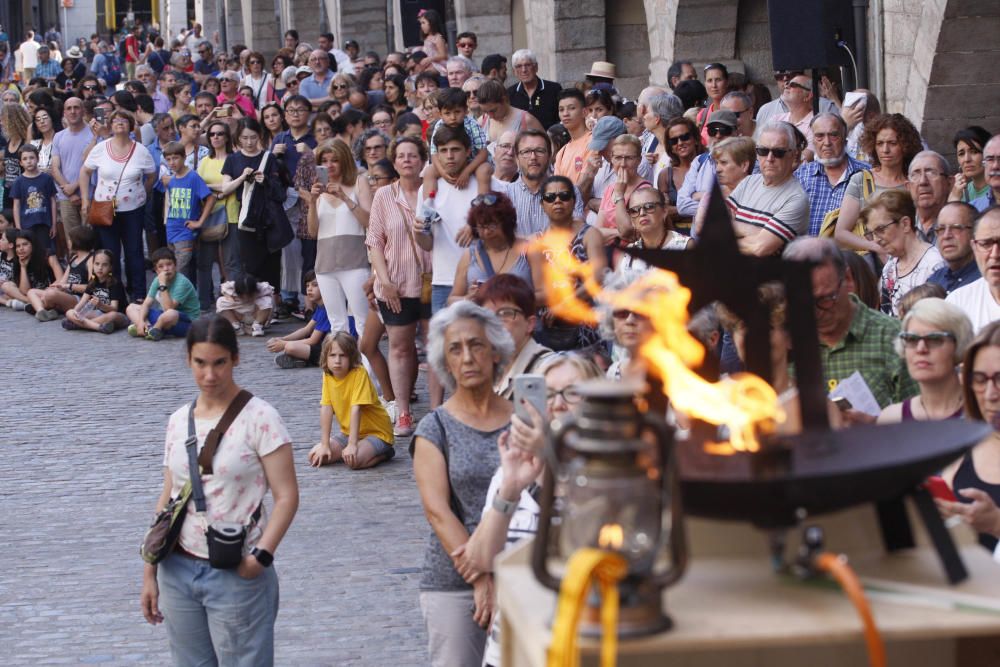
column 52, row 84
column 939, row 489
column 322, row 175
column 530, row 388
column 225, row 112
column 842, row 403
column 99, row 115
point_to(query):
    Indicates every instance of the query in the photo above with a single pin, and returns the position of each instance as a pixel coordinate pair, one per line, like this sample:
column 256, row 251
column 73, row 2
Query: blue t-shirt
column 184, row 196
column 35, row 195
column 321, row 319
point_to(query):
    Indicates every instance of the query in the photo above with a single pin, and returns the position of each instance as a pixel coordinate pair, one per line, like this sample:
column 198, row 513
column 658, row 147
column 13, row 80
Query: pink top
column 430, row 48
column 389, row 228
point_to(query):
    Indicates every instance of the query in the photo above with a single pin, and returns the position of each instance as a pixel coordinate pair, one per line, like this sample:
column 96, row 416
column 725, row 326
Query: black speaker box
column 804, row 33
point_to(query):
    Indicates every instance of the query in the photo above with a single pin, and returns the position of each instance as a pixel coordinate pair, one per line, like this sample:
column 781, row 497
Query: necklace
column 505, row 257
column 920, row 399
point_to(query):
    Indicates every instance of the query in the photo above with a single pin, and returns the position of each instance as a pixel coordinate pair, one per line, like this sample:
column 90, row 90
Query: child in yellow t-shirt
column 364, row 438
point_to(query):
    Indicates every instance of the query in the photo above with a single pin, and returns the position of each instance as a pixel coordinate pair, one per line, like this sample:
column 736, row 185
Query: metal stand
column 897, row 533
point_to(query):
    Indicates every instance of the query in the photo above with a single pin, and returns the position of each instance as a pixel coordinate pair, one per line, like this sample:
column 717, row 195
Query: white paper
column 853, row 97
column 856, row 390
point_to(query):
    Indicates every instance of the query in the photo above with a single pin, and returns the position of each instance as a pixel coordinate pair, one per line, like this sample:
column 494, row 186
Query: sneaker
column 106, row 328
column 285, row 361
column 47, row 315
column 390, row 408
column 132, row 331
column 256, row 329
column 282, row 313
column 28, row 308
column 69, row 326
column 404, row 426
column 17, row 305
column 238, row 328
column 299, row 315
column 154, row 334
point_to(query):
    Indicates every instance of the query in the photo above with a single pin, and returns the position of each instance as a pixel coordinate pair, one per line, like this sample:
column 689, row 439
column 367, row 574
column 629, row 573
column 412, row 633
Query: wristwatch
column 505, row 507
column 617, row 199
column 263, row 556
column 162, row 288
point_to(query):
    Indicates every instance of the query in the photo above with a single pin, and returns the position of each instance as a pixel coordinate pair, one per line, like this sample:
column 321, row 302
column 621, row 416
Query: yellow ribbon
column 584, row 566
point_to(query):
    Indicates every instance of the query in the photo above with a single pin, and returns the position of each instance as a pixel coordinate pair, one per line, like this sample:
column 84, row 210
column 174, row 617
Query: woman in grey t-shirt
column 454, row 455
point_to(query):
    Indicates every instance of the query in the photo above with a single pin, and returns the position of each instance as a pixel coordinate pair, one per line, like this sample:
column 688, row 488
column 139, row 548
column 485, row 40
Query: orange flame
column 744, row 403
column 611, row 536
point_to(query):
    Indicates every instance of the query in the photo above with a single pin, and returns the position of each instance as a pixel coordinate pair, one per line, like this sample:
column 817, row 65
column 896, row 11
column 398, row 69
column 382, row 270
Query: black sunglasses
column 719, row 130
column 764, row 151
column 673, row 141
column 562, row 195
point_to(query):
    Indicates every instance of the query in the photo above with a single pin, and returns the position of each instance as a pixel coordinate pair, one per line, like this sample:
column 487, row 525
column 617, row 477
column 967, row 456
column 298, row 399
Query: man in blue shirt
column 825, row 179
column 954, row 241
column 47, row 68
column 316, row 88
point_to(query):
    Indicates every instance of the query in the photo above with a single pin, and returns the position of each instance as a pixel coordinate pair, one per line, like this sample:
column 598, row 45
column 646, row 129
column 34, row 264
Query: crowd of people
column 399, row 196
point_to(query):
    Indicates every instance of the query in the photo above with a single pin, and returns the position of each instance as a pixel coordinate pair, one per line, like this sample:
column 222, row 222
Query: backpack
column 109, row 69
column 830, row 219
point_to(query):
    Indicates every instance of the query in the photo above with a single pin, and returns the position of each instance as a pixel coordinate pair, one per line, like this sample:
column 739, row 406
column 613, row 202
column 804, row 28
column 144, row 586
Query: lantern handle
column 669, row 493
column 540, row 549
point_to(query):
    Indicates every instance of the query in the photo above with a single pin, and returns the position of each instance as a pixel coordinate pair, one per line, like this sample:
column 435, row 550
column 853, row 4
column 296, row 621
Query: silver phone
column 531, row 389
column 322, row 175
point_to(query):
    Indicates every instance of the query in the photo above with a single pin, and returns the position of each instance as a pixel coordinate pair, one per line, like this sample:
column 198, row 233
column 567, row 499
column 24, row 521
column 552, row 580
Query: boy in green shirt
column 171, row 305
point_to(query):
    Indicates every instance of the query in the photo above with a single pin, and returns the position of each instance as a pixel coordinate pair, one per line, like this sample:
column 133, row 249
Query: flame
column 611, row 536
column 744, row 403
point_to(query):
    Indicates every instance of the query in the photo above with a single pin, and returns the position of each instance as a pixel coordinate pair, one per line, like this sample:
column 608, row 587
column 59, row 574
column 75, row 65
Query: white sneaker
column 238, row 328
column 17, row 305
column 390, row 407
column 256, row 329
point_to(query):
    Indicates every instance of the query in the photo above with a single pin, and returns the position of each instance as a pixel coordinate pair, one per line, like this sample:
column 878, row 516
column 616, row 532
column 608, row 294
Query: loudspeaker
column 408, row 10
column 804, row 33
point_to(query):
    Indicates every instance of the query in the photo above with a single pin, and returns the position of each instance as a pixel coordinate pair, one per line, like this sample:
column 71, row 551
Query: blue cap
column 605, row 130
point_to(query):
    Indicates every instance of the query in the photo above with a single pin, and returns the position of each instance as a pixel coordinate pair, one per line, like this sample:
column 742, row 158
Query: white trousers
column 343, row 290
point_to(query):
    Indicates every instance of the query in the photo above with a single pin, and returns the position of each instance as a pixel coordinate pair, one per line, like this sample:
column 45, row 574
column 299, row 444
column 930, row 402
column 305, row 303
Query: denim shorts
column 180, row 329
column 381, row 447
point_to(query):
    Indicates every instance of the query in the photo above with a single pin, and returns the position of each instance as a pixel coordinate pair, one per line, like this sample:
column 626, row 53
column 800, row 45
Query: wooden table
column 731, row 609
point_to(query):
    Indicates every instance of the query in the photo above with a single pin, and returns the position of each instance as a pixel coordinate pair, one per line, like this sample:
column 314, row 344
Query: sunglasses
column 562, row 195
column 934, row 339
column 90, row 87
column 719, row 130
column 216, row 134
column 488, row 225
column 484, row 200
column 673, row 141
column 793, row 84
column 340, row 86
column 623, row 314
column 639, row 209
column 764, row 151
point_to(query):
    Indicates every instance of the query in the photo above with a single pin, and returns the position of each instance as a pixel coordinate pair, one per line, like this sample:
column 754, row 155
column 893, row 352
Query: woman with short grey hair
column 454, row 456
column 371, row 146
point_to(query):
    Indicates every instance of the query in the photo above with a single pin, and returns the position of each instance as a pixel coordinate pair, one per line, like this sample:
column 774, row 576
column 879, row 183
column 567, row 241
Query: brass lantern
column 612, row 483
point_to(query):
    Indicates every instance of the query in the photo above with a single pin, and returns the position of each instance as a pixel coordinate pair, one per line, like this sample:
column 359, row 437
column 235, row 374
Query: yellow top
column 356, row 388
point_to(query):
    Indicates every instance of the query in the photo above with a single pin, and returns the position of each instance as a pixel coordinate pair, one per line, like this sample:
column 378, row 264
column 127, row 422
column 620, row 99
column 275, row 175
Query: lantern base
column 639, row 615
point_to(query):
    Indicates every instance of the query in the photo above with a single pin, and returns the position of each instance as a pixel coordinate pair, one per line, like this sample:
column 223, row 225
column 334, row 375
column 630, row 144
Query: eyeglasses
column 979, row 380
column 941, row 230
column 252, row 62
column 986, row 245
column 528, row 152
column 382, row 123
column 296, row 110
column 624, row 158
column 216, row 134
column 623, row 315
column 487, row 226
column 673, row 141
column 990, row 159
column 719, row 130
column 562, row 195
column 779, row 153
column 374, row 178
column 509, row 314
column 639, row 209
column 484, row 200
column 504, row 147
column 933, row 340
column 293, row 82
column 569, row 394
column 918, row 175
column 827, row 301
column 878, row 232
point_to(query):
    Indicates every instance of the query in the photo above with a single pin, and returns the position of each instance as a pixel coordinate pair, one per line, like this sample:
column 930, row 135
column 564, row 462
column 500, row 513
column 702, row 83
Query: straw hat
column 602, row 69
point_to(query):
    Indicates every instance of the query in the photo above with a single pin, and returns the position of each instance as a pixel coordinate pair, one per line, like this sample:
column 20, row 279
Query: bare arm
column 759, row 242
column 279, row 469
column 431, row 474
column 460, row 288
column 844, row 233
column 325, row 423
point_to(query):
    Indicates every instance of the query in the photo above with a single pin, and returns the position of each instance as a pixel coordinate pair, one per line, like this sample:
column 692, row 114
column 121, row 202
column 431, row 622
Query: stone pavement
column 81, row 445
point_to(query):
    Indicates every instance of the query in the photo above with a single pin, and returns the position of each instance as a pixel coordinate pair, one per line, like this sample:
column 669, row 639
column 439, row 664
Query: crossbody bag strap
column 216, row 434
column 197, row 491
column 413, row 242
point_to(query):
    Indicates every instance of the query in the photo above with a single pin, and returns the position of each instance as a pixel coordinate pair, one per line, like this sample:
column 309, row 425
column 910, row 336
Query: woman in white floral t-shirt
column 220, row 616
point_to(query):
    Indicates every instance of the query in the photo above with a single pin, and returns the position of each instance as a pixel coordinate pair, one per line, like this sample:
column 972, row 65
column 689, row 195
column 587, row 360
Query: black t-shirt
column 237, row 162
column 7, row 267
column 105, row 294
column 36, row 281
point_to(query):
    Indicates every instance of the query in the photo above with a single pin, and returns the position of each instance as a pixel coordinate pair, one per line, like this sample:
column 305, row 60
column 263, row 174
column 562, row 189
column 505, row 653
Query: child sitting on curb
column 170, row 306
column 302, row 347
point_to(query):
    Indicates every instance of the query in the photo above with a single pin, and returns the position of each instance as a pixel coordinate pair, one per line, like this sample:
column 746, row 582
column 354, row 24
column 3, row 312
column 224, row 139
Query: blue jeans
column 125, row 233
column 439, row 297
column 215, row 617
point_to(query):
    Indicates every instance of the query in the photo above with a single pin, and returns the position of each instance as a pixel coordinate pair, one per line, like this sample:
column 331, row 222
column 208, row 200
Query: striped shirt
column 531, row 218
column 389, row 230
column 782, row 209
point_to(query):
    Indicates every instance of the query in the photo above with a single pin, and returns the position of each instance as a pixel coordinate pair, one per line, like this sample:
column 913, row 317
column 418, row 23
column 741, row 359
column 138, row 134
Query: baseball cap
column 605, row 130
column 723, row 117
column 304, row 70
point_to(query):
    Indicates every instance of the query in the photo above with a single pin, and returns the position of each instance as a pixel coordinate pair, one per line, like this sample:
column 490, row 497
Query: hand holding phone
column 940, row 489
column 529, row 388
column 842, row 403
column 322, row 175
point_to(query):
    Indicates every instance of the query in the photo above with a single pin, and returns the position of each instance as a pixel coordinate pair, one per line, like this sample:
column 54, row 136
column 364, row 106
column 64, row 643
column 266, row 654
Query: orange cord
column 838, row 568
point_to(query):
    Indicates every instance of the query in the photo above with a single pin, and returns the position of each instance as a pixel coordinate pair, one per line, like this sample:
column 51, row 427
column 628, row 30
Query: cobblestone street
column 80, row 471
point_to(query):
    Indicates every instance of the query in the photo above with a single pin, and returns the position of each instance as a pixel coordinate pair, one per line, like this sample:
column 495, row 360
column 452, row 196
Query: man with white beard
column 825, row 178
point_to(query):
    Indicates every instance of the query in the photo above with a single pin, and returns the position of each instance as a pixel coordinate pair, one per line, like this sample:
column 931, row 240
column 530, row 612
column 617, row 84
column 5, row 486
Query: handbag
column 216, row 226
column 102, row 213
column 426, row 287
column 162, row 535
